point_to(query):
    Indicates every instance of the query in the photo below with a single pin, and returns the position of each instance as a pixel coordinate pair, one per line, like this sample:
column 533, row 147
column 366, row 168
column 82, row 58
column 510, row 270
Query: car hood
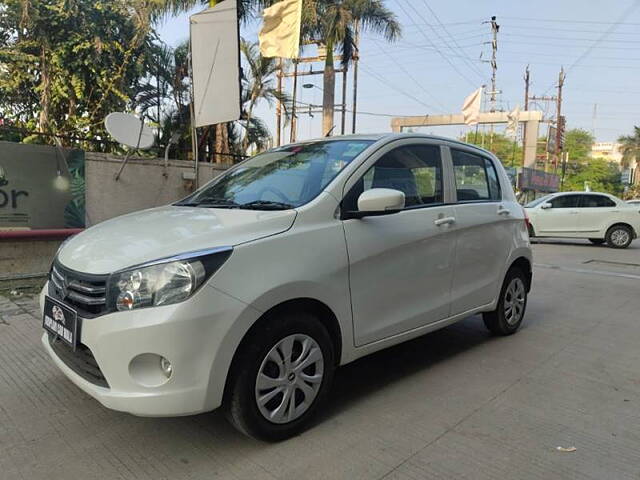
column 165, row 231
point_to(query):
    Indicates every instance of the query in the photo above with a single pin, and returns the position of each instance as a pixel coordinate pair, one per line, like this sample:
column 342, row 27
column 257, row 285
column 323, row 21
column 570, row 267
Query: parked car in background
column 635, row 201
column 599, row 217
column 249, row 293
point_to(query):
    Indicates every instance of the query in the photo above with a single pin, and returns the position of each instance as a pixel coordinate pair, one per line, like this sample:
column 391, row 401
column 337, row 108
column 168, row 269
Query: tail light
column 527, row 222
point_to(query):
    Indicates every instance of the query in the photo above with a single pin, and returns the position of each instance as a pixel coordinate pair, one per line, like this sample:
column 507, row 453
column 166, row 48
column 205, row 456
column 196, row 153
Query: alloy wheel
column 619, row 237
column 514, row 300
column 289, row 378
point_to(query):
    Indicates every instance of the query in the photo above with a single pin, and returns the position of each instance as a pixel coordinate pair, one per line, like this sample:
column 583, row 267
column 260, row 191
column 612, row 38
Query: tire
column 619, row 236
column 597, row 241
column 304, row 337
column 504, row 320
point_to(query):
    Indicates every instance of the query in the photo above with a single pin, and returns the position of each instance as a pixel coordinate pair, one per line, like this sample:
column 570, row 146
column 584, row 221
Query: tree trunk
column 329, row 92
column 45, row 91
column 222, row 144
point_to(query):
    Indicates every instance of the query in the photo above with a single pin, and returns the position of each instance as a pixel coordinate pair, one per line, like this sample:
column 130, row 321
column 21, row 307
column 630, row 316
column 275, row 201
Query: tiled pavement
column 454, row 404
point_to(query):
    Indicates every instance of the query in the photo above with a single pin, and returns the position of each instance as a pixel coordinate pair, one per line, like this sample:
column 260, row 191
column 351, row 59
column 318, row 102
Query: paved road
column 454, row 404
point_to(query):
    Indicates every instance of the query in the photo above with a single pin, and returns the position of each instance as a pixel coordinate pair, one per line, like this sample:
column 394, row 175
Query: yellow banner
column 280, row 34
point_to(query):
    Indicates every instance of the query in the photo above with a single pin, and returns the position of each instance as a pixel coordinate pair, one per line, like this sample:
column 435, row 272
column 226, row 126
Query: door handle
column 504, row 211
column 444, row 221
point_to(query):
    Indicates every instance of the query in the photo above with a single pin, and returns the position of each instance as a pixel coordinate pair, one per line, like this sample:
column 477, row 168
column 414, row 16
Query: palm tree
column 329, row 22
column 333, row 23
column 258, row 85
column 630, row 147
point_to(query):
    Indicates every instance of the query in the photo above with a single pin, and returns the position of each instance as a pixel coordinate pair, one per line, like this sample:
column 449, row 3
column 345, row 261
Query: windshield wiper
column 266, row 205
column 210, row 203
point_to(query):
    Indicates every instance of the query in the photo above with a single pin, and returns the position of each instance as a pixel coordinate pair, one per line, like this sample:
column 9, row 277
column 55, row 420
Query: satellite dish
column 129, row 130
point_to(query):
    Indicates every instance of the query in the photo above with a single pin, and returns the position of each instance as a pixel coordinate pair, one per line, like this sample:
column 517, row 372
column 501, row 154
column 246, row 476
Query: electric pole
column 593, row 120
column 559, row 119
column 526, row 88
column 494, row 65
column 527, row 80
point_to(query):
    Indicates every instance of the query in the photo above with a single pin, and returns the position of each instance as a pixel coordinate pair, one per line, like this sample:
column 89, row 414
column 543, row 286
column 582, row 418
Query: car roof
column 582, row 193
column 389, row 137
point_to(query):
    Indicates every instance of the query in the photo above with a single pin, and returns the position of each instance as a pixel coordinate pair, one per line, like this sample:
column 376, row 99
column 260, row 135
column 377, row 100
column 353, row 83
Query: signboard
column 41, row 187
column 530, row 179
column 625, row 177
column 551, row 140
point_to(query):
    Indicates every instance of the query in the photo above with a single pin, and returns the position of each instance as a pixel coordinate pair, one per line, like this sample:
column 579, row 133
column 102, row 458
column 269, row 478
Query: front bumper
column 190, row 334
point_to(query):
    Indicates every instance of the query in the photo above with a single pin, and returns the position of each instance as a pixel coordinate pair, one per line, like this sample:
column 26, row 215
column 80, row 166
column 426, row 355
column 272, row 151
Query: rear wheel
column 281, row 378
column 619, row 236
column 597, row 241
column 512, row 304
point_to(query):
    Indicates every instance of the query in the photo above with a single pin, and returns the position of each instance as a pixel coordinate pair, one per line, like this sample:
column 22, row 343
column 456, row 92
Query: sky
column 441, row 56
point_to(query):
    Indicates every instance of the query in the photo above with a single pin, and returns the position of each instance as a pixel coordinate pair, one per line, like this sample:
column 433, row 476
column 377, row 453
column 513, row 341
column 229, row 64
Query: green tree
column 578, row 143
column 328, row 22
column 65, row 64
column 503, row 147
column 258, row 85
column 630, row 147
column 598, row 173
column 332, row 23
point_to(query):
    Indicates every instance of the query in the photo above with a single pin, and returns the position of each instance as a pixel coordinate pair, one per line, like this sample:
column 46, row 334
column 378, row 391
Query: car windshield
column 538, row 201
column 279, row 179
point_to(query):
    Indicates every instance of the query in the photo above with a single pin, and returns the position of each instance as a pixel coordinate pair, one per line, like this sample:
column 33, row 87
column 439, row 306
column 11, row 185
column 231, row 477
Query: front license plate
column 61, row 321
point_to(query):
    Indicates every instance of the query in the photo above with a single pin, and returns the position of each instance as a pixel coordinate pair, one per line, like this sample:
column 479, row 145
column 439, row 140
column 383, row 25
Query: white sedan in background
column 599, row 217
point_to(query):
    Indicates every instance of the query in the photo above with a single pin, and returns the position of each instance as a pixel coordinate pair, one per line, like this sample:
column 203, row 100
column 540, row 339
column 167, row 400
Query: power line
column 601, row 38
column 568, row 38
column 381, row 79
column 556, row 20
column 467, row 60
column 408, row 74
column 429, row 40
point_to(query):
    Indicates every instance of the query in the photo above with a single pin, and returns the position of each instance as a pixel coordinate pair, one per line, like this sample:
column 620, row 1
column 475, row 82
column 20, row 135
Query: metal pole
column 344, row 100
column 526, row 107
column 292, row 137
column 355, row 77
column 559, row 126
column 279, row 106
column 194, row 130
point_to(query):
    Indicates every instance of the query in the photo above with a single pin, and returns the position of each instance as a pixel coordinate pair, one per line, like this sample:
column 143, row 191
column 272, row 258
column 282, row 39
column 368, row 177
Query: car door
column 561, row 219
column 400, row 265
column 485, row 230
column 595, row 214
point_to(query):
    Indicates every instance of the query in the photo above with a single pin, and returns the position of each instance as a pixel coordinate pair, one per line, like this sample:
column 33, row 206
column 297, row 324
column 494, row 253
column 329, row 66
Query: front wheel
column 281, row 377
column 512, row 304
column 619, row 236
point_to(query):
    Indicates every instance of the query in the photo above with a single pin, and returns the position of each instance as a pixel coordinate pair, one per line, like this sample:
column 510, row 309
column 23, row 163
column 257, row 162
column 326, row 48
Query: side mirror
column 546, row 206
column 377, row 202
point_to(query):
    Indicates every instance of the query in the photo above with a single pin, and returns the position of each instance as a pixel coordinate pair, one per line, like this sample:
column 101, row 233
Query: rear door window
column 596, row 201
column 476, row 177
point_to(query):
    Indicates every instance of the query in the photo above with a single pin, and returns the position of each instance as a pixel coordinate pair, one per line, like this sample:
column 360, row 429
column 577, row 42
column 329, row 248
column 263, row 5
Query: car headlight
column 162, row 282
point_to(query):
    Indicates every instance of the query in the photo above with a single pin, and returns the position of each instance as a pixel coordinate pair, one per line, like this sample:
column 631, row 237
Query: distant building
column 608, row 150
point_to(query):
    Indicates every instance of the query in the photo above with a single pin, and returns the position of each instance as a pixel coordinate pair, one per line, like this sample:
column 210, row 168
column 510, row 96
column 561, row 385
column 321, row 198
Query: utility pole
column 527, row 80
column 593, row 120
column 559, row 119
column 294, row 120
column 355, row 77
column 494, row 65
column 279, row 106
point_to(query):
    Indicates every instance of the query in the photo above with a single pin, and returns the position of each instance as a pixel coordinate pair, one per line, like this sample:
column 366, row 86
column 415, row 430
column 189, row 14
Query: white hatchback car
column 599, row 217
column 250, row 292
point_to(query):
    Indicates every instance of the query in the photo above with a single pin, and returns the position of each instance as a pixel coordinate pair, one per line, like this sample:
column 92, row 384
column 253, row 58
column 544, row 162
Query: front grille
column 81, row 361
column 84, row 292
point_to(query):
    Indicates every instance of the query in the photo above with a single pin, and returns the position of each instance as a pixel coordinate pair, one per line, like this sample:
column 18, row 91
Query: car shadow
column 382, row 369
